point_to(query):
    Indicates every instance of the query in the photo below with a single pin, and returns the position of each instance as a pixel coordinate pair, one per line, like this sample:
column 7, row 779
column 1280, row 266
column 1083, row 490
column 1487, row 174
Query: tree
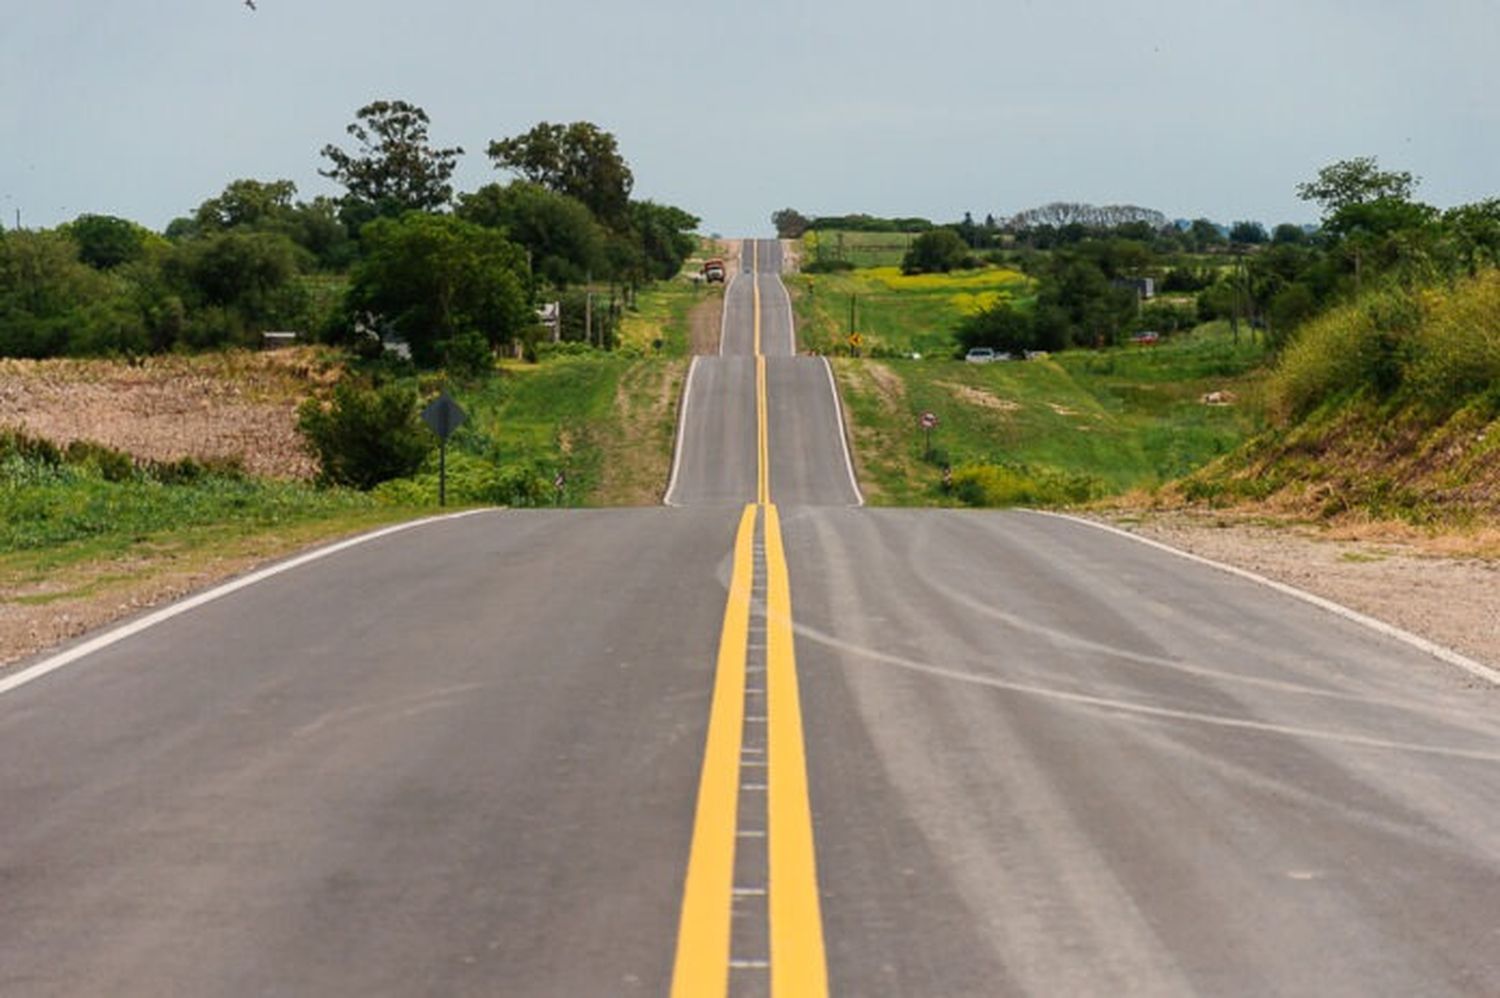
column 1001, row 327
column 1287, row 234
column 938, row 251
column 437, row 279
column 565, row 242
column 790, row 223
column 1355, row 181
column 394, row 168
column 1474, row 230
column 45, row 293
column 248, row 277
column 1248, row 233
column 1204, row 234
column 246, row 203
column 665, row 236
column 105, row 242
column 580, row 160
column 1078, row 301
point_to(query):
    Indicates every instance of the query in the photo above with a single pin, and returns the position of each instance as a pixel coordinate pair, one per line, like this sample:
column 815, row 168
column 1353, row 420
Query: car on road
column 1145, row 338
column 980, row 355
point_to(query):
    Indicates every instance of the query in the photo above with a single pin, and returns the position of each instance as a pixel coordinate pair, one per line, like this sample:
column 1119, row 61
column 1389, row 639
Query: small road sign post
column 560, row 483
column 443, row 416
column 929, row 423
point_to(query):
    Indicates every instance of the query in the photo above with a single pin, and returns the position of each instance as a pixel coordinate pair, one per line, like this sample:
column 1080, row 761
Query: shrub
column 1002, row 327
column 366, row 435
column 1457, row 348
column 938, row 251
column 1000, row 485
column 826, row 266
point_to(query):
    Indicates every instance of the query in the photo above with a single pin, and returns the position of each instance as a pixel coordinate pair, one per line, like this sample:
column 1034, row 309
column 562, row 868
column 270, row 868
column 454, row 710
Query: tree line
column 399, row 254
column 1090, row 264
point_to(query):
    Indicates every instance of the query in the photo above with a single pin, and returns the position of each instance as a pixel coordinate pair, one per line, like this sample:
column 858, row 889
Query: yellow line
column 762, row 428
column 755, row 287
column 701, row 969
column 798, row 963
column 763, row 435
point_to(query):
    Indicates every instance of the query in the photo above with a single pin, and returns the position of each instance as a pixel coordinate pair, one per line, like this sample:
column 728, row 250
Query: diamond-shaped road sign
column 443, row 416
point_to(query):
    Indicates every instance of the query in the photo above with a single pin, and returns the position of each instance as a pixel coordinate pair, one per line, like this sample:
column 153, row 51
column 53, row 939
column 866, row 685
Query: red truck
column 713, row 271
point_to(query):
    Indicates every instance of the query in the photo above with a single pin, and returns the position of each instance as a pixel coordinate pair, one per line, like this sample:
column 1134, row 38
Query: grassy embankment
column 1387, row 408
column 1066, row 429
column 87, row 523
column 1076, row 426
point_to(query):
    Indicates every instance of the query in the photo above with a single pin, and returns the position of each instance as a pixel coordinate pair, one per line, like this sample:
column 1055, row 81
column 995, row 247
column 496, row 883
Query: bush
column 1000, row 485
column 472, row 479
column 1457, row 348
column 826, row 266
column 938, row 251
column 366, row 436
column 1002, row 327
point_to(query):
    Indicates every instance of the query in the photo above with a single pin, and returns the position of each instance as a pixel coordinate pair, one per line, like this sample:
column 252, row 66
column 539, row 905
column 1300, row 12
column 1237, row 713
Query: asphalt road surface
column 767, row 741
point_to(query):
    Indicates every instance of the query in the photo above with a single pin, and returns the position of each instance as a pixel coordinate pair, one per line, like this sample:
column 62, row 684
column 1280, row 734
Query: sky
column 1212, row 108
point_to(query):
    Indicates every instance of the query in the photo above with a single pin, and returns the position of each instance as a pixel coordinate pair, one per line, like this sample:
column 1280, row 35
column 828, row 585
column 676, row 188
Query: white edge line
column 118, row 634
column 1438, row 651
column 838, row 407
column 724, row 313
column 677, row 444
column 791, row 317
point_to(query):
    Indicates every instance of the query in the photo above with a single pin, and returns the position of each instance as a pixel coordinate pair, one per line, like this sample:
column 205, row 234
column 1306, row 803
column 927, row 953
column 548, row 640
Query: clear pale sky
column 144, row 108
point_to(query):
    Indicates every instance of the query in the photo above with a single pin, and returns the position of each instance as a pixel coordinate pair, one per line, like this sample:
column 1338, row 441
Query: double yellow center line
column 796, row 961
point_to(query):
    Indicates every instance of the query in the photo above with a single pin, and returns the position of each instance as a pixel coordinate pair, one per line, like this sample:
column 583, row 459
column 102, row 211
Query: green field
column 862, row 249
column 896, row 315
column 1069, row 428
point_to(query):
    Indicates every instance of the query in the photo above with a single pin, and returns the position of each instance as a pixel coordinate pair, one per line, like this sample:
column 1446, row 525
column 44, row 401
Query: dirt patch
column 888, row 384
column 978, row 397
column 705, row 323
column 236, row 405
column 1062, row 410
column 1443, row 587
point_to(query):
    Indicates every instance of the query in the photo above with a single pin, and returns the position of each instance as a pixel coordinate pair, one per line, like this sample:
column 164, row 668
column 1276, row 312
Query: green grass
column 67, row 520
column 525, row 424
column 896, row 315
column 1065, row 429
column 662, row 315
column 862, row 249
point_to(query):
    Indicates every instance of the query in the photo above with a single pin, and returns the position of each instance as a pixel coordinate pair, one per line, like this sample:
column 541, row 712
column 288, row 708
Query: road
column 765, row 740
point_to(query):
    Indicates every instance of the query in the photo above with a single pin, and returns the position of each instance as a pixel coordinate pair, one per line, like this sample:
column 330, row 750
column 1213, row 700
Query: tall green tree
column 105, row 242
column 665, row 236
column 565, row 242
column 395, row 168
column 790, row 223
column 1354, row 182
column 246, row 203
column 580, row 160
column 439, row 281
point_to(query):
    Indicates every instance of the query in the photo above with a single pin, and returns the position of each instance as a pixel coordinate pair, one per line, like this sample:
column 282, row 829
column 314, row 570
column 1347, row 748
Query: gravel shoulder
column 1444, row 587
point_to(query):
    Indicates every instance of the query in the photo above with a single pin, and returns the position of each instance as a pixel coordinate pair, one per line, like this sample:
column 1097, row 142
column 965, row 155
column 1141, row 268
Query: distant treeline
column 397, row 256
